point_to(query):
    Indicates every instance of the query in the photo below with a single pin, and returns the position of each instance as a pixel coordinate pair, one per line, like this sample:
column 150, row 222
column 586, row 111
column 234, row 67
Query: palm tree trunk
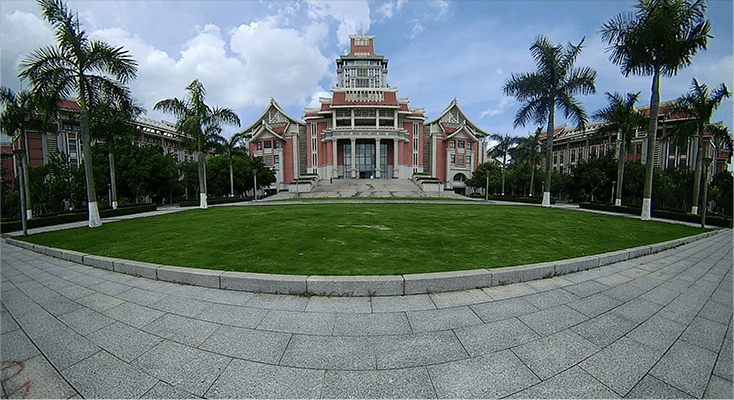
column 549, row 158
column 113, row 186
column 231, row 181
column 202, row 185
column 504, row 166
column 94, row 218
column 620, row 173
column 532, row 179
column 26, row 181
column 651, row 132
column 697, row 174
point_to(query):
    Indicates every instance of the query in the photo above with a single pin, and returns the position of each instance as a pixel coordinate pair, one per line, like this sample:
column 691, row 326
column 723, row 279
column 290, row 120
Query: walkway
column 366, row 188
column 656, row 326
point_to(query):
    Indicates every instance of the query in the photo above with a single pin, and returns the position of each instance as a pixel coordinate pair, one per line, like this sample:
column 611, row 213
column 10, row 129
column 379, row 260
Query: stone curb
column 390, row 285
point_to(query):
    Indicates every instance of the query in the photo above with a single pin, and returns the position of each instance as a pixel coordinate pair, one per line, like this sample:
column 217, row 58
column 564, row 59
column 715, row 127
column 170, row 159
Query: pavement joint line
column 354, row 286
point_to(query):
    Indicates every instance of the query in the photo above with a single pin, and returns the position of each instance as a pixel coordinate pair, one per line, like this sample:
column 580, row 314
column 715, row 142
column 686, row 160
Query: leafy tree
column 660, row 38
column 623, row 120
column 146, row 172
column 554, row 84
column 527, row 151
column 113, row 118
column 24, row 111
column 721, row 192
column 502, row 149
column 479, row 178
column 562, row 184
column 197, row 120
column 699, row 104
column 188, row 177
column 593, row 178
column 65, row 186
column 81, row 66
column 230, row 147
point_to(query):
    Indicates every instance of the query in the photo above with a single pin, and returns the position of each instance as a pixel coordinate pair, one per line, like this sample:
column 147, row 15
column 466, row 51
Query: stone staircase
column 372, row 188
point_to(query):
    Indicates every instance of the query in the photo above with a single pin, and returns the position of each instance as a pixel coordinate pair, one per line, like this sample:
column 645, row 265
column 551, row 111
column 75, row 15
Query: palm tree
column 504, row 146
column 527, row 151
column 82, row 67
column 197, row 120
column 660, row 38
column 699, row 104
column 231, row 148
column 23, row 111
column 113, row 118
column 554, row 84
column 622, row 120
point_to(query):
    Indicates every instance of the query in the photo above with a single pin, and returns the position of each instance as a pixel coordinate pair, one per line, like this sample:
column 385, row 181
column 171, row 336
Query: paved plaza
column 652, row 327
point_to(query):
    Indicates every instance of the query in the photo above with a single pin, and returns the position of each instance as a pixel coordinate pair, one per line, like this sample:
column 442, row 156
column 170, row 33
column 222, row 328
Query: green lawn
column 363, row 239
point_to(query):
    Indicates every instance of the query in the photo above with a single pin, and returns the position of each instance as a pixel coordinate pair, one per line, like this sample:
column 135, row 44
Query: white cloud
column 20, row 34
column 386, row 11
column 417, row 28
column 353, row 17
column 279, row 63
column 315, row 102
column 443, row 8
column 266, row 61
column 499, row 109
column 499, row 71
column 400, row 4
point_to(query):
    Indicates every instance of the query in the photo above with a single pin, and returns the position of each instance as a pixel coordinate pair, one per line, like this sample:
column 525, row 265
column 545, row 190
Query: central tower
column 361, row 68
column 364, row 131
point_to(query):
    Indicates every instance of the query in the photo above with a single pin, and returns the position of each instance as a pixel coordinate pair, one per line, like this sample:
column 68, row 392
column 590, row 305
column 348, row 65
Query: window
column 461, row 144
column 276, row 159
column 276, row 144
column 639, row 149
column 452, row 144
column 268, row 144
column 72, row 146
column 561, row 158
column 259, row 145
column 555, row 159
column 453, row 159
column 416, row 142
column 573, row 156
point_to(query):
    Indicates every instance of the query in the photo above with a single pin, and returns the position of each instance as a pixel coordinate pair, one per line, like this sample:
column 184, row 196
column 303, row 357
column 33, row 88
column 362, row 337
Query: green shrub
column 75, row 216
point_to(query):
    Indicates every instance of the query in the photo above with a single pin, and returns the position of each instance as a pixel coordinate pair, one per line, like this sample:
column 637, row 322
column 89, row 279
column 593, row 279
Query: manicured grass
column 376, row 199
column 363, row 239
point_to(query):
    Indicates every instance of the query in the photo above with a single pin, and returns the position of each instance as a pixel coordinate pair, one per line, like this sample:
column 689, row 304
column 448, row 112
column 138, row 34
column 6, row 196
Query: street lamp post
column 707, row 158
column 254, row 190
column 613, row 183
column 486, row 188
column 23, row 216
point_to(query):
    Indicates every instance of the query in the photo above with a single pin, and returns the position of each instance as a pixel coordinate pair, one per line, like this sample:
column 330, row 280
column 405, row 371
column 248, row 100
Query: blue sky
column 246, row 52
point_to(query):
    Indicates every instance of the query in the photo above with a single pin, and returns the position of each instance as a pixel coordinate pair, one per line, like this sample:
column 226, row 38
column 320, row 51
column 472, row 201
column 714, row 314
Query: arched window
column 460, row 177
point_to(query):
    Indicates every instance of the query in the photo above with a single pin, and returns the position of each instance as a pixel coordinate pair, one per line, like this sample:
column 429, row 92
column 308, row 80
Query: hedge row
column 715, row 220
column 520, row 199
column 64, row 218
column 220, row 200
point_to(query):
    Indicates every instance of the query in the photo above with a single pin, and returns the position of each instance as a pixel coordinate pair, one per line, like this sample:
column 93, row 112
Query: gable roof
column 272, row 105
column 455, row 105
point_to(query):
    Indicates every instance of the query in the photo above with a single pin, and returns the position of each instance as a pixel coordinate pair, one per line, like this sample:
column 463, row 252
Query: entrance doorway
column 365, row 159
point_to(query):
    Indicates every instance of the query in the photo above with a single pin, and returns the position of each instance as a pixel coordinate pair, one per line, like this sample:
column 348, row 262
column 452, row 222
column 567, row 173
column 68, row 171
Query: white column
column 434, row 156
column 352, row 111
column 354, row 157
column 377, row 158
column 294, row 146
column 448, row 165
column 335, row 164
column 395, row 168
